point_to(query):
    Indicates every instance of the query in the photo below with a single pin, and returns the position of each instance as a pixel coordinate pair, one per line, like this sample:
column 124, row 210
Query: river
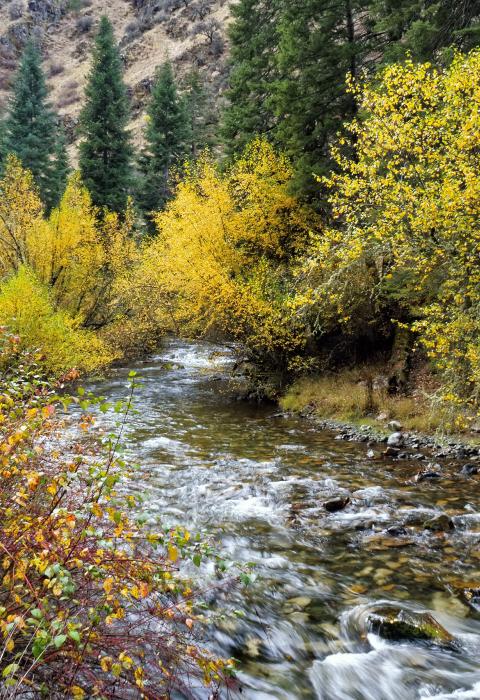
column 258, row 480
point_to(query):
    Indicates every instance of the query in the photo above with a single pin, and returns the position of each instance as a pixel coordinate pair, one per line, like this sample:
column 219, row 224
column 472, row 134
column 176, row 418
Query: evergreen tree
column 106, row 152
column 30, row 129
column 427, row 29
column 166, row 141
column 254, row 41
column 290, row 61
column 61, row 168
column 321, row 42
column 201, row 118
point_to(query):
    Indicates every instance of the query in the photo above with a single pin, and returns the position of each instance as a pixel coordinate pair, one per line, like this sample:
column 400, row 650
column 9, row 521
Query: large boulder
column 395, row 439
column 399, row 625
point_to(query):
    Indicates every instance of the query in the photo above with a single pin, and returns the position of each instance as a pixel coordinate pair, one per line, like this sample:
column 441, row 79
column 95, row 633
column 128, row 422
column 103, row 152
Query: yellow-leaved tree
column 222, row 260
column 405, row 246
column 75, row 261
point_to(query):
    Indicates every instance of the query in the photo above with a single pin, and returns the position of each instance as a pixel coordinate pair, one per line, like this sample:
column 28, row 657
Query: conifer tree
column 426, row 30
column 254, row 41
column 61, row 168
column 200, row 118
column 30, row 129
column 321, row 42
column 166, row 141
column 106, row 152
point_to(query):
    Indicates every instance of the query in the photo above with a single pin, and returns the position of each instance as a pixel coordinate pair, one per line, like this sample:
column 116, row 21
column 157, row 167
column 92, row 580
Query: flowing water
column 258, row 481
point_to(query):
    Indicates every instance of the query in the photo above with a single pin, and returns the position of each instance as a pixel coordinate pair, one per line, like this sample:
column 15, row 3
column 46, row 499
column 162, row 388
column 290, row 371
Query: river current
column 258, row 480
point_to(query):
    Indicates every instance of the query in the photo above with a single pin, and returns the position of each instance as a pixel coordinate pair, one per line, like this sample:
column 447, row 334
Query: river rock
column 336, row 504
column 391, row 451
column 397, row 530
column 469, row 469
column 471, row 596
column 440, row 523
column 395, row 439
column 427, row 474
column 395, row 426
column 298, row 603
column 398, row 625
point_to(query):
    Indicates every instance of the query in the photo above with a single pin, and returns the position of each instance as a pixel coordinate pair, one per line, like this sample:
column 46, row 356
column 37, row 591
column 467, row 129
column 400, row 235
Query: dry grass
column 347, row 397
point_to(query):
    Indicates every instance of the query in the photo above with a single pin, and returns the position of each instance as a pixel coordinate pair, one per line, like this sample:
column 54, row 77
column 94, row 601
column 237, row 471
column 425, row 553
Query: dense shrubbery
column 26, row 307
column 91, row 603
column 407, row 207
column 68, row 278
column 223, row 256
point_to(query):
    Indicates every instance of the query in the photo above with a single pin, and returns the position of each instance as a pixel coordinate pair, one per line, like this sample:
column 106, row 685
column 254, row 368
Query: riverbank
column 357, row 412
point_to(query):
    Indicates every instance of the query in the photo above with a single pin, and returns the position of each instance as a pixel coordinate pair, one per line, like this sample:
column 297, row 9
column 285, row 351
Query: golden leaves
column 408, row 212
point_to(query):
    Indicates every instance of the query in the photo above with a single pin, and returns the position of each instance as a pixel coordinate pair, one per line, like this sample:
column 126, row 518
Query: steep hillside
column 191, row 33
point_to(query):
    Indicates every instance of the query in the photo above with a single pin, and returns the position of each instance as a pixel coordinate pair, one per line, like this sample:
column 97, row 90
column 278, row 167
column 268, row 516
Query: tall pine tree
column 61, row 167
column 106, row 151
column 31, row 130
column 201, row 115
column 166, row 141
column 426, row 29
column 321, row 43
column 254, row 42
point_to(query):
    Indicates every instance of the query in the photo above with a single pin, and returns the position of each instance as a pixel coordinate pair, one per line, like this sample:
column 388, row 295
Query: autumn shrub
column 82, row 257
column 222, row 261
column 404, row 247
column 26, row 307
column 92, row 603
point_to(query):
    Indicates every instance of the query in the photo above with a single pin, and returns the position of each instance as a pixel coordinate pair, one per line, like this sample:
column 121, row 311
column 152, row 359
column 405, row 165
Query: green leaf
column 9, row 670
column 75, row 635
column 197, row 559
column 38, row 647
column 59, row 640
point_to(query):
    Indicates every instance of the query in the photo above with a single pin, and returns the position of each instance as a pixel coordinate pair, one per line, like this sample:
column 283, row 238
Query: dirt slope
column 191, row 33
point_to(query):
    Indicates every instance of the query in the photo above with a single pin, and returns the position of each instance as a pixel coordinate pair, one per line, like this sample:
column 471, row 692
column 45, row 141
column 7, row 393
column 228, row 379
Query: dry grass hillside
column 191, row 33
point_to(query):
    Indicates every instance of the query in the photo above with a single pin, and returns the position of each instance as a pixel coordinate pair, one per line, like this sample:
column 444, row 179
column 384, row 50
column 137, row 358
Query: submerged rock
column 469, row 469
column 400, row 625
column 440, row 523
column 427, row 474
column 336, row 504
column 397, row 530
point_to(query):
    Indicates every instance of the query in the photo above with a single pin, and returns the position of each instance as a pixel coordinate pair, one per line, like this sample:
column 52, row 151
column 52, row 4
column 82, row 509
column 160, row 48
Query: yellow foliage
column 408, row 209
column 20, row 211
column 221, row 259
column 87, row 261
column 26, row 308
